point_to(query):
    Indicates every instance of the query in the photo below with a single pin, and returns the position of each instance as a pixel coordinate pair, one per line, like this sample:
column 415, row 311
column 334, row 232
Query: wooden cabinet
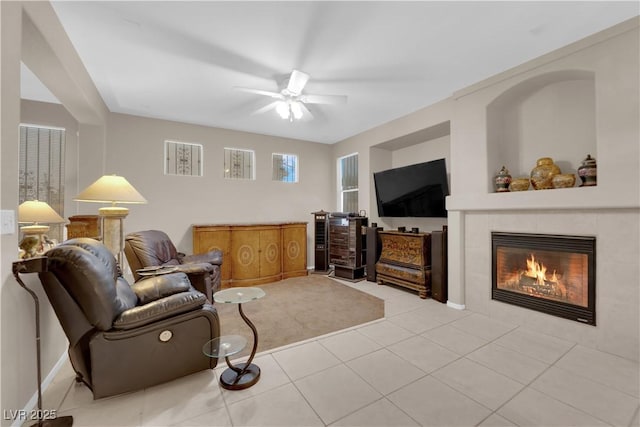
column 405, row 261
column 347, row 246
column 254, row 254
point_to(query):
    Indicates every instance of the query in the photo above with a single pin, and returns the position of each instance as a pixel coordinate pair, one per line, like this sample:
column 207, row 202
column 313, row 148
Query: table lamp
column 36, row 213
column 112, row 189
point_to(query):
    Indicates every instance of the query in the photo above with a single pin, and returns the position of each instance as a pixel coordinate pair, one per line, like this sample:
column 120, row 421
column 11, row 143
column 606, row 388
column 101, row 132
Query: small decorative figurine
column 503, row 179
column 588, row 172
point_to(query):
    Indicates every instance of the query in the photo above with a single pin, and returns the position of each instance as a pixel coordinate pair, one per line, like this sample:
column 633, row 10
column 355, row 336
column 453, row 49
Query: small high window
column 182, row 158
column 239, row 164
column 285, row 167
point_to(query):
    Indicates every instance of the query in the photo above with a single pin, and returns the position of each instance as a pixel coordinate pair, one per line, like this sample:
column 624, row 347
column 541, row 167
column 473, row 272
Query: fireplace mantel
column 553, row 199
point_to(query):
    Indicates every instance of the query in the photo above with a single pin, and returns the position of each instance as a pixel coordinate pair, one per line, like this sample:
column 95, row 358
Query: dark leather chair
column 151, row 248
column 124, row 338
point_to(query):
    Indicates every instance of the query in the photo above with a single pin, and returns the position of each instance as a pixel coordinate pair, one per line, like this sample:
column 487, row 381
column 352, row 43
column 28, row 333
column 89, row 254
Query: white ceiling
column 181, row 60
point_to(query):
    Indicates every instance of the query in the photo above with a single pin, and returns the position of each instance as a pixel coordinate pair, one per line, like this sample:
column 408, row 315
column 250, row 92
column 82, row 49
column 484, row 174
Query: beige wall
column 135, row 150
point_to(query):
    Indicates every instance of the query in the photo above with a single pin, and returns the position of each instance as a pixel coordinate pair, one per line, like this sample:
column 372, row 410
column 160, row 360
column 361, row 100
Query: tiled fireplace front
column 553, row 274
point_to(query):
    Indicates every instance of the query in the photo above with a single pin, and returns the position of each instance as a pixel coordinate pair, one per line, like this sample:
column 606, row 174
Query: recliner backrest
column 152, row 247
column 90, row 274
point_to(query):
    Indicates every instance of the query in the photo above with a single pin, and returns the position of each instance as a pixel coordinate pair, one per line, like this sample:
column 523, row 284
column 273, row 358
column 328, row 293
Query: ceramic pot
column 520, row 184
column 588, row 172
column 502, row 179
column 543, row 173
column 563, row 180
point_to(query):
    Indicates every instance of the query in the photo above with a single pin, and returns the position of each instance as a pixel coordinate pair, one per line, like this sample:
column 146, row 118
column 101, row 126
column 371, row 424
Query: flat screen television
column 416, row 190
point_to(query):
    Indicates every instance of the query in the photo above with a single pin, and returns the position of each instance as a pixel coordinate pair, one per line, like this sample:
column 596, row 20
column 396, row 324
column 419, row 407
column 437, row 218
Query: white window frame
column 341, row 191
column 42, row 189
column 228, row 174
column 295, row 167
column 187, row 170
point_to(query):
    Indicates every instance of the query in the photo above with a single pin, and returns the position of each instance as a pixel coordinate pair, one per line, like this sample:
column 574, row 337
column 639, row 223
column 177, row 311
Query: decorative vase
column 588, row 172
column 543, row 173
column 563, row 180
column 503, row 179
column 520, row 184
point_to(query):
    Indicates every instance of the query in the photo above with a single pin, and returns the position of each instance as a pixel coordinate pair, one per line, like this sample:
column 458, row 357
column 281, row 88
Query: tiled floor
column 424, row 364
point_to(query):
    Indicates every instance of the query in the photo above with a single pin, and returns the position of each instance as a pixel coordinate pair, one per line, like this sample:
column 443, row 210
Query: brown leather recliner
column 151, row 248
column 124, row 338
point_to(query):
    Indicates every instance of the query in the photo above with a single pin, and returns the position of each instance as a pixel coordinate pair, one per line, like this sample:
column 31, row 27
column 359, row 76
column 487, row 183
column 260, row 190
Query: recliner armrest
column 159, row 309
column 194, row 268
column 211, row 257
column 155, row 287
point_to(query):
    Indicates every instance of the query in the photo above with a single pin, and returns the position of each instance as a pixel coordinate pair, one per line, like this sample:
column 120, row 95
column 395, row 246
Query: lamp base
column 66, row 421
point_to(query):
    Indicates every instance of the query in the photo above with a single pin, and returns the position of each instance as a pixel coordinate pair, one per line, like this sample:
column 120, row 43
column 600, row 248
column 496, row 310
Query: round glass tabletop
column 226, row 345
column 238, row 295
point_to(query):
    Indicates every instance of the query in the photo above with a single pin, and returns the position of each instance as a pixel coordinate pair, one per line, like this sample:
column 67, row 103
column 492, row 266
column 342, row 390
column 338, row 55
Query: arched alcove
column 550, row 115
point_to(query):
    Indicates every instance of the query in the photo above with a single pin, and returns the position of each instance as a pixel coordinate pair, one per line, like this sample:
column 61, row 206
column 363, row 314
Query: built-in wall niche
column 550, row 115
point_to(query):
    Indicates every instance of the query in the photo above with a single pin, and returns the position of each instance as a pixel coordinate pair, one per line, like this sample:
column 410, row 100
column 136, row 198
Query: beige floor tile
column 495, row 420
column 380, row 413
column 423, row 353
column 349, row 345
column 454, row 339
column 543, row 347
column 602, row 402
column 385, row 371
column 516, row 366
column 385, row 332
column 336, row 392
column 417, row 321
column 77, row 396
column 282, row 406
column 216, row 418
column 432, row 403
column 121, row 410
column 271, row 376
column 482, row 384
column 532, row 408
column 607, row 369
column 305, row 359
column 482, row 326
column 181, row 399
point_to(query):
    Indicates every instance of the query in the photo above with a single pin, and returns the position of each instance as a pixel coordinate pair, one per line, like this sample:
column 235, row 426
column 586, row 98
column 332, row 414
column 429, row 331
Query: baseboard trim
column 33, row 402
column 456, row 306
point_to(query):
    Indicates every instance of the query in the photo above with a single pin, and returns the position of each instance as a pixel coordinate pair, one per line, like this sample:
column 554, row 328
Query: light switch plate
column 7, row 221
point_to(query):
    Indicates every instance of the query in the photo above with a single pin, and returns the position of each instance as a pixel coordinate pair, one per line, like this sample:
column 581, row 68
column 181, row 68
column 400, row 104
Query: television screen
column 412, row 191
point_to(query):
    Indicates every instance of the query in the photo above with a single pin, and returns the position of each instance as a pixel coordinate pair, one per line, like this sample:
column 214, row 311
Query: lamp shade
column 35, row 211
column 110, row 189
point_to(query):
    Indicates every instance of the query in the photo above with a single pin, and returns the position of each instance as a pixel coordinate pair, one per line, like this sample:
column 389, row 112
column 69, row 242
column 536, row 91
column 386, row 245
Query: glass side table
column 246, row 374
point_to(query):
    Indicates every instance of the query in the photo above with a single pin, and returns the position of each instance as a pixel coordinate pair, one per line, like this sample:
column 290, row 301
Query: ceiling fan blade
column 306, row 113
column 276, row 95
column 266, row 108
column 297, row 81
column 324, row 99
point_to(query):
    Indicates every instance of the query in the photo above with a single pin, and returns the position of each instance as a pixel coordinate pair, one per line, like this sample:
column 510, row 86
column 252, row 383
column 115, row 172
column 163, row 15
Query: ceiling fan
column 290, row 101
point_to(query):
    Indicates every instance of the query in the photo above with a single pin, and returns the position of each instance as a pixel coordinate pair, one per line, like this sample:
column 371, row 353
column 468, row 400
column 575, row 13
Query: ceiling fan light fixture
column 283, row 110
column 296, row 109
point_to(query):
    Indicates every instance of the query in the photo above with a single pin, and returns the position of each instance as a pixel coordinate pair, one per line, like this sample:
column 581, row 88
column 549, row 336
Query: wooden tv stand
column 405, row 261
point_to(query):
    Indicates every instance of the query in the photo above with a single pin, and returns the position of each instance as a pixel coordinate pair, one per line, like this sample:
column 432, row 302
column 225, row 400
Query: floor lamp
column 39, row 265
column 112, row 189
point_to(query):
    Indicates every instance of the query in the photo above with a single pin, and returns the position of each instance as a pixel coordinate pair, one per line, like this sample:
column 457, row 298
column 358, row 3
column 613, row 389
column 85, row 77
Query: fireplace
column 553, row 274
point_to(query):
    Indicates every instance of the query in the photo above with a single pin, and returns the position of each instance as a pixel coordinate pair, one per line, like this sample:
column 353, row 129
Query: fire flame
column 538, row 271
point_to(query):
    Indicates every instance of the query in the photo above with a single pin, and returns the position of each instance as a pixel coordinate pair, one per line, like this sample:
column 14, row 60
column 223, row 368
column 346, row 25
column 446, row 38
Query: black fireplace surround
column 553, row 274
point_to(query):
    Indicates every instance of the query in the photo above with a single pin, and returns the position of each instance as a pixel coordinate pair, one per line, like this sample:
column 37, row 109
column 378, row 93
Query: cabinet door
column 245, row 258
column 294, row 250
column 206, row 239
column 270, row 261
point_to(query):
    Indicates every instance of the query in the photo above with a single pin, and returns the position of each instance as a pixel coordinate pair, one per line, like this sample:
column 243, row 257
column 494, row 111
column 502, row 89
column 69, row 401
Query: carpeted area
column 299, row 308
